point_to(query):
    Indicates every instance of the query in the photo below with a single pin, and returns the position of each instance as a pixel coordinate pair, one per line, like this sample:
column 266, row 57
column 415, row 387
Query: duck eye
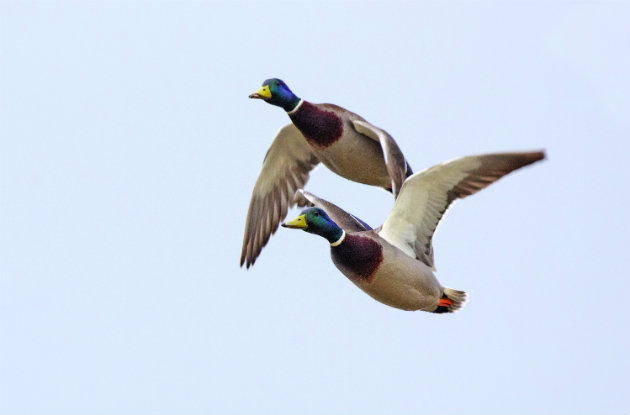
column 277, row 83
column 316, row 213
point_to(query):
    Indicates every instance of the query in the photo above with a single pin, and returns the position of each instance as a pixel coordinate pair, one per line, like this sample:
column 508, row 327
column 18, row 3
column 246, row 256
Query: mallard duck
column 341, row 140
column 394, row 263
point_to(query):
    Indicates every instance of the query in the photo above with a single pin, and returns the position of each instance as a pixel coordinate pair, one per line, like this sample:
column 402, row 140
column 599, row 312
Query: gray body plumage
column 399, row 280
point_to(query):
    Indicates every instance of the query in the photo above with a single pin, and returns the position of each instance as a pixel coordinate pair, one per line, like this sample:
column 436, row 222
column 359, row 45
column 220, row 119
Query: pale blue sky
column 128, row 151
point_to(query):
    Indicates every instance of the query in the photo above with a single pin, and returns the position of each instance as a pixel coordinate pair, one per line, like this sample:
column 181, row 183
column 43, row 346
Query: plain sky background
column 129, row 149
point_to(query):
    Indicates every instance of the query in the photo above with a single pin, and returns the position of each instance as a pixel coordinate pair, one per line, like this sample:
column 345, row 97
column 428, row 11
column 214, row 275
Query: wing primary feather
column 427, row 195
column 286, row 167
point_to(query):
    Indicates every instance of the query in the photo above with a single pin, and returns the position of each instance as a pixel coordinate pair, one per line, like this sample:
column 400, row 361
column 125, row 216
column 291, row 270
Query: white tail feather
column 458, row 297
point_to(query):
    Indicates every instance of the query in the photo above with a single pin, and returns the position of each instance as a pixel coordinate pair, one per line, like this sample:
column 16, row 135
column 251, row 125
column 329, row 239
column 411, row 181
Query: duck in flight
column 318, row 133
column 394, row 263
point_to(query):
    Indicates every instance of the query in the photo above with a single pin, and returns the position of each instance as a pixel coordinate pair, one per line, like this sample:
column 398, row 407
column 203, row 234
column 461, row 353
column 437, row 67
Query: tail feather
column 451, row 301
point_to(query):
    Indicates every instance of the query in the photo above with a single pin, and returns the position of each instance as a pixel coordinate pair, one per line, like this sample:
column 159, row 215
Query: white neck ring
column 296, row 107
column 340, row 240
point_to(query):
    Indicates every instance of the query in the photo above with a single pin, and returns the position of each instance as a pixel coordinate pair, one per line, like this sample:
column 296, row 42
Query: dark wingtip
column 537, row 155
column 246, row 261
column 527, row 158
column 534, row 156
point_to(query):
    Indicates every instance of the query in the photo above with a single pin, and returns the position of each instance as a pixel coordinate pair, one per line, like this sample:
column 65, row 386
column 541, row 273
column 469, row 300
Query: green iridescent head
column 315, row 220
column 275, row 92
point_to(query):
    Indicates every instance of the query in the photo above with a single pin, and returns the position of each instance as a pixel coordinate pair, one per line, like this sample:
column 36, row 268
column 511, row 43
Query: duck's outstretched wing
column 286, row 168
column 426, row 195
column 397, row 166
column 343, row 219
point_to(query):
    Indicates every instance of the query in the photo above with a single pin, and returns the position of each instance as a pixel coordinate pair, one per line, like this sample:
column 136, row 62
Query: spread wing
column 343, row 219
column 286, row 168
column 426, row 195
column 395, row 162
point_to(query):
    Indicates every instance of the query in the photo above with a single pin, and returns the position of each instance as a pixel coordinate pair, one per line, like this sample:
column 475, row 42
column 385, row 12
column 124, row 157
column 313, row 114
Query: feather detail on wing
column 426, row 195
column 394, row 159
column 343, row 219
column 286, row 168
